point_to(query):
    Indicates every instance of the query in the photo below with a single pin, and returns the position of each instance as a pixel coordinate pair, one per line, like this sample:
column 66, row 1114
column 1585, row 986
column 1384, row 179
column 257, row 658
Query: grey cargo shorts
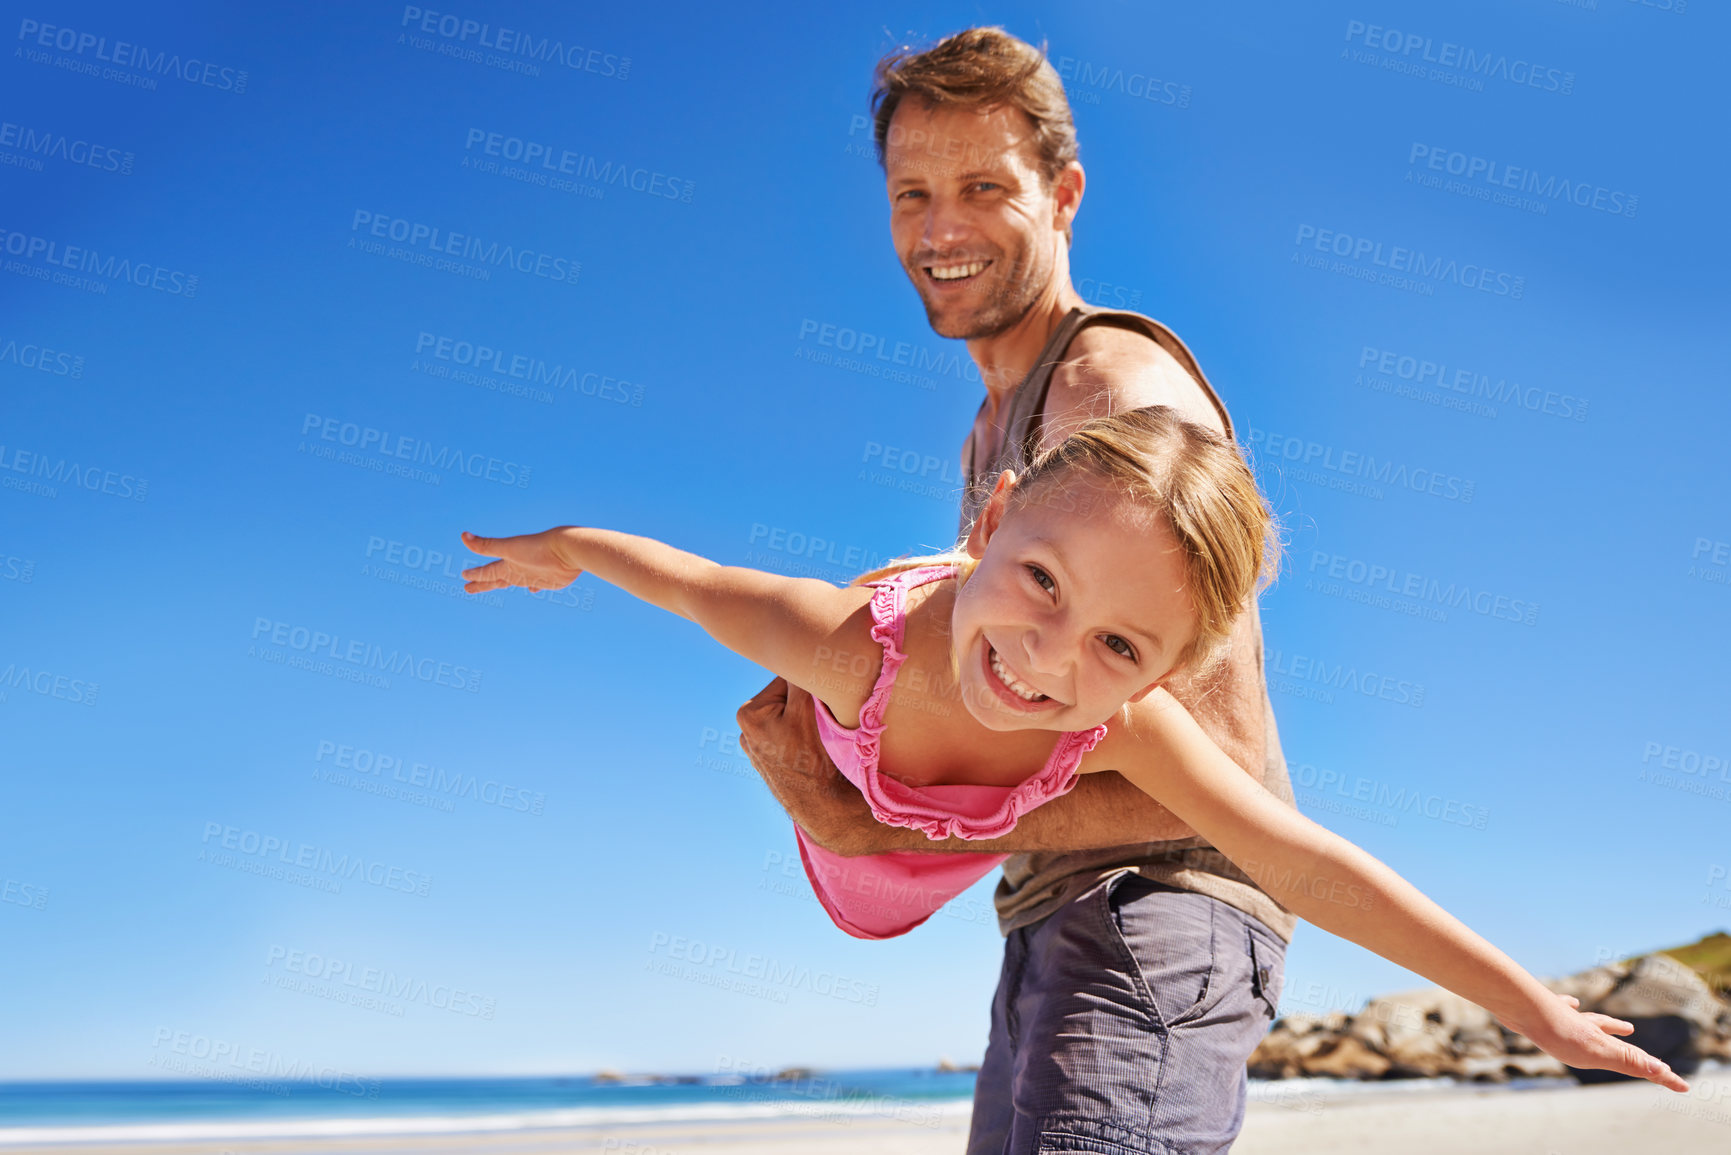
column 1122, row 1022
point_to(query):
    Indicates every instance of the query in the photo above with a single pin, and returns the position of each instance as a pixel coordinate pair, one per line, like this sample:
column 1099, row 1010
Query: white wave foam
column 327, row 1127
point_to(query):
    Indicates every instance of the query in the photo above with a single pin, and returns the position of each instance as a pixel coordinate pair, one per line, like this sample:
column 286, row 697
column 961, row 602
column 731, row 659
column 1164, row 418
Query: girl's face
column 1076, row 607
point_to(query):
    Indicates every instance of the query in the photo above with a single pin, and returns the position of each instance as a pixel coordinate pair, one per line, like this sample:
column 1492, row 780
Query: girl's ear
column 1149, row 688
column 986, row 524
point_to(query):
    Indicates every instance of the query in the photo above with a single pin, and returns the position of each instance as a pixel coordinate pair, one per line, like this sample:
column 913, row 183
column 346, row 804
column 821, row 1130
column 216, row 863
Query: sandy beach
column 1565, row 1120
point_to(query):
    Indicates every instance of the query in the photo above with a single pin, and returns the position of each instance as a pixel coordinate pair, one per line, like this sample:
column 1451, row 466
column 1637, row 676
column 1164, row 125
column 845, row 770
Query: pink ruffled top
column 883, row 895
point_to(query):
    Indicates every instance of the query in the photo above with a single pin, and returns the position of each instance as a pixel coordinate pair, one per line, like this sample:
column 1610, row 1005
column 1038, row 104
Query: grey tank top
column 1035, row 885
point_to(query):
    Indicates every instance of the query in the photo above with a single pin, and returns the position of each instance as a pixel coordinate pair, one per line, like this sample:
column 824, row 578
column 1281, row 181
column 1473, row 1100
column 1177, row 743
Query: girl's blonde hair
column 1189, row 475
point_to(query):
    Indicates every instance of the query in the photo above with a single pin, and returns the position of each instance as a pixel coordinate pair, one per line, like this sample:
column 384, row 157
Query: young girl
column 1121, row 556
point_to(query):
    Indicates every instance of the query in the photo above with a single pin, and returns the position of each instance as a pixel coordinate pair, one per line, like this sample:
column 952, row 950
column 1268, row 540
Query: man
column 1140, row 966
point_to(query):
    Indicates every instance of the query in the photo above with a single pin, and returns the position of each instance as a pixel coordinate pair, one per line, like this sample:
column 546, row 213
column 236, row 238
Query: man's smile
column 953, row 272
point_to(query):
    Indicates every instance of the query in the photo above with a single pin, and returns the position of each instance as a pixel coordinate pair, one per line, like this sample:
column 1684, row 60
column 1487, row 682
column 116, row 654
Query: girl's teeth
column 1019, row 688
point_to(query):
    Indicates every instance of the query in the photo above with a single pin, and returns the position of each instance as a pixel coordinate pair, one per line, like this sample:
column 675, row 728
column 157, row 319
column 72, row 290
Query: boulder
column 1346, row 1058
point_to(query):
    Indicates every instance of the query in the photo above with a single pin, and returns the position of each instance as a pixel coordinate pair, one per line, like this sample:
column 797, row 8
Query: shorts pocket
column 1166, row 937
column 1095, row 1137
column 1267, row 971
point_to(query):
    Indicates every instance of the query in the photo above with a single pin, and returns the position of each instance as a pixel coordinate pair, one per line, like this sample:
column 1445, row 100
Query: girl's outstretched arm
column 791, row 626
column 1327, row 880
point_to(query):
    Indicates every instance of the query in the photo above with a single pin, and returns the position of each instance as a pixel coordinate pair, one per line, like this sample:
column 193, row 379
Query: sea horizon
column 257, row 1107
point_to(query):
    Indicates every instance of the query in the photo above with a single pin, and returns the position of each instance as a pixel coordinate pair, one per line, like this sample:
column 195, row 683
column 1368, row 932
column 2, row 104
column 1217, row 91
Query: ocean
column 239, row 1104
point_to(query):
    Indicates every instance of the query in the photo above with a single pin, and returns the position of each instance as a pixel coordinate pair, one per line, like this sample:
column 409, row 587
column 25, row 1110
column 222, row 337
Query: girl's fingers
column 479, row 544
column 1609, row 1025
column 1631, row 1060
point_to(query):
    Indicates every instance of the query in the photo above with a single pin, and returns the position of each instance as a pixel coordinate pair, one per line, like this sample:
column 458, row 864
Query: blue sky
column 606, row 854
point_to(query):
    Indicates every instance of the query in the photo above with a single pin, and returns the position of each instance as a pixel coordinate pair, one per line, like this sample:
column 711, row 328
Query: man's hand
column 778, row 732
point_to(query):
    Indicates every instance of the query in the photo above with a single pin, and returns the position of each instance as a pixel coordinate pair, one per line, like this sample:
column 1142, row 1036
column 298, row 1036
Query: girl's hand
column 1582, row 1039
column 530, row 560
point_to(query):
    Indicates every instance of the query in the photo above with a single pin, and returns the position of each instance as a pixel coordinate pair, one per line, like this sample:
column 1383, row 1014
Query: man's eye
column 1041, row 576
column 985, row 184
column 1119, row 646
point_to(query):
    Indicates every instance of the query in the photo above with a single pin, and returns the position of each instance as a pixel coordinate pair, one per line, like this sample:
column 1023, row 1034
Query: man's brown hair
column 981, row 68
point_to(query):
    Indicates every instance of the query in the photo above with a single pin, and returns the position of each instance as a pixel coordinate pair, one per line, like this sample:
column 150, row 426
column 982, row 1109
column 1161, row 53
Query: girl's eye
column 1041, row 576
column 1114, row 642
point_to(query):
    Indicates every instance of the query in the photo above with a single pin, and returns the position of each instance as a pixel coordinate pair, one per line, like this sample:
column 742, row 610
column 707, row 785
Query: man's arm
column 779, row 733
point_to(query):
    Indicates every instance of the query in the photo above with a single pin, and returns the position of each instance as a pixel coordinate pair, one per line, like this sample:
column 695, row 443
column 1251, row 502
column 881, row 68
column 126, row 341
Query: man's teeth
column 1018, row 687
column 957, row 272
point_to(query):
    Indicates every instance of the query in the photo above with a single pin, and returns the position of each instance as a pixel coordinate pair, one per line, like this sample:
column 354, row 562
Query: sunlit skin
column 965, row 187
column 1089, row 611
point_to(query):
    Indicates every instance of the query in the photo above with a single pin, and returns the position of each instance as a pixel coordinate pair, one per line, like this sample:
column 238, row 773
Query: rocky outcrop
column 1677, row 1014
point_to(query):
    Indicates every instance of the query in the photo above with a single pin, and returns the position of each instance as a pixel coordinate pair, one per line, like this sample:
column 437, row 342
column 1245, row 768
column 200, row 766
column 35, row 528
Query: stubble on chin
column 999, row 313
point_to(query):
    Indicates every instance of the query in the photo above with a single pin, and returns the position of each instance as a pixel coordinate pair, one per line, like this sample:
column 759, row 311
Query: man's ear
column 986, row 524
column 1067, row 194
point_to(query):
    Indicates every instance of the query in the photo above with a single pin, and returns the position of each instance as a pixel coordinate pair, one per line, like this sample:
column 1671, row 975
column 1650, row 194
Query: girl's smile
column 1014, row 692
column 1065, row 619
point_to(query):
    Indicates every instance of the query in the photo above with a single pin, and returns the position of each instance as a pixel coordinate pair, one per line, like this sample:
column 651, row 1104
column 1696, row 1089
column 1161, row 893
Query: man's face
column 973, row 223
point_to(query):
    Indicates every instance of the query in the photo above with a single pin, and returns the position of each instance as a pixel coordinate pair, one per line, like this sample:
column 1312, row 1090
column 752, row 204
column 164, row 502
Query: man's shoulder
column 1109, row 367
